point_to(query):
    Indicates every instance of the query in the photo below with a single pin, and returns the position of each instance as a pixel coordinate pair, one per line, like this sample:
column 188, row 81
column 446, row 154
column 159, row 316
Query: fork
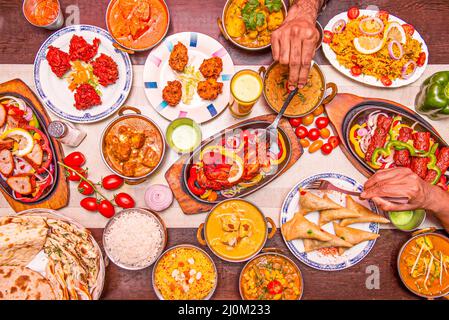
column 272, row 129
column 327, row 185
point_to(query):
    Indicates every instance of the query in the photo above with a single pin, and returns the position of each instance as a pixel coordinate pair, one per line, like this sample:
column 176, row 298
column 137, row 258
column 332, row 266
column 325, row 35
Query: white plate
column 55, row 92
column 40, row 261
column 157, row 72
column 366, row 79
column 316, row 259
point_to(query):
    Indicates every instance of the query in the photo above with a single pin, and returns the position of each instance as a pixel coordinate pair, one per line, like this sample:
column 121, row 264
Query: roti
column 21, row 238
column 21, row 283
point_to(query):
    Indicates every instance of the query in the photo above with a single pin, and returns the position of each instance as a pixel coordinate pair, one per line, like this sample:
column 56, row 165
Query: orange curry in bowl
column 137, row 24
column 133, row 146
column 424, row 265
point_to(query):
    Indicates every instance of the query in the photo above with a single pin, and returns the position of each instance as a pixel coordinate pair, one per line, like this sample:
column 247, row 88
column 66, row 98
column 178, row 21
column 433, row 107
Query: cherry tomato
column 124, row 200
column 409, row 29
column 308, row 119
column 313, row 134
column 301, row 132
column 421, row 59
column 356, row 71
column 89, row 203
column 73, row 176
column 325, row 133
column 328, row 36
column 85, row 188
column 326, row 148
column 353, row 13
column 322, row 122
column 318, row 110
column 112, row 182
column 386, row 81
column 294, row 122
column 334, row 141
column 304, row 143
column 106, row 208
column 75, row 159
column 212, row 196
column 275, row 287
column 382, row 14
column 315, row 146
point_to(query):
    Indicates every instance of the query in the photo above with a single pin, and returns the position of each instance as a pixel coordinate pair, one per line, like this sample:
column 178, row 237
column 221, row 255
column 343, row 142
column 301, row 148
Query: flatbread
column 366, row 214
column 21, row 238
column 308, row 202
column 301, row 228
column 21, row 283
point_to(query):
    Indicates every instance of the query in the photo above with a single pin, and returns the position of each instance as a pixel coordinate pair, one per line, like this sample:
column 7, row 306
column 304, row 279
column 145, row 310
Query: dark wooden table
column 19, row 42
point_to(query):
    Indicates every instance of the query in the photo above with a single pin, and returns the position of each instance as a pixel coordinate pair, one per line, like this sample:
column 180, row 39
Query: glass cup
column 43, row 13
column 246, row 89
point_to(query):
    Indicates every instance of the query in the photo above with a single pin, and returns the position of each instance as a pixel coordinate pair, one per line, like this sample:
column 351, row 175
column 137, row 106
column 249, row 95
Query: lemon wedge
column 23, row 138
column 368, row 45
column 236, row 171
column 394, row 31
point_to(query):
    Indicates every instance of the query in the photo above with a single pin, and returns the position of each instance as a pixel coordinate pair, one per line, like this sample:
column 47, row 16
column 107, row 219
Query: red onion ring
column 339, row 26
column 391, row 51
column 158, row 197
column 376, row 19
column 404, row 73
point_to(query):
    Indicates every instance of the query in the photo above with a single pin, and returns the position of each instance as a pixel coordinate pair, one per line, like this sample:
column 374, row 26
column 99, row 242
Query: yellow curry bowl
column 423, row 264
column 235, row 230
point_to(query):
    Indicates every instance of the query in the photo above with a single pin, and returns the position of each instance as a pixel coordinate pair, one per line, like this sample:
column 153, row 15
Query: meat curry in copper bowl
column 132, row 145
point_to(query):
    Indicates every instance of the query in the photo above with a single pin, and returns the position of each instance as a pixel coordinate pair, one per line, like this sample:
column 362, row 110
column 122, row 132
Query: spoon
column 273, row 127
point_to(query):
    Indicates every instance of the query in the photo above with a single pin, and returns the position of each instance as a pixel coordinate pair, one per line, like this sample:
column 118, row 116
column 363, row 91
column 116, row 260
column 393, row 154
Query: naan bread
column 308, row 202
column 366, row 215
column 301, row 228
column 312, row 245
column 21, row 238
column 21, row 283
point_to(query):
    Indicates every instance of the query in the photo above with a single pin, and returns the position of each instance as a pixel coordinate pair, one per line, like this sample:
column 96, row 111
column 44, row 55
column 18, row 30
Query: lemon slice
column 394, row 31
column 23, row 138
column 236, row 172
column 368, row 45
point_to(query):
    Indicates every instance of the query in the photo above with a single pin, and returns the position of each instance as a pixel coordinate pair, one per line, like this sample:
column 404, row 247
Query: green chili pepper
column 433, row 98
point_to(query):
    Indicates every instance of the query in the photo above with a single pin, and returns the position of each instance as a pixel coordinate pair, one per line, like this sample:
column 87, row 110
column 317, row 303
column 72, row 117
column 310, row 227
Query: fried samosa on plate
column 308, row 202
column 301, row 228
column 327, row 216
column 366, row 215
column 334, row 242
column 352, row 235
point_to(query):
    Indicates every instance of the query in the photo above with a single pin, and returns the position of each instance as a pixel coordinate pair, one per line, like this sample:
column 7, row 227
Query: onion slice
column 391, row 51
column 339, row 26
column 404, row 73
column 372, row 20
column 158, row 197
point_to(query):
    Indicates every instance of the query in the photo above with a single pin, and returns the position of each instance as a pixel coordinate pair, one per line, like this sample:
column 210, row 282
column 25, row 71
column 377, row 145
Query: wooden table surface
column 20, row 41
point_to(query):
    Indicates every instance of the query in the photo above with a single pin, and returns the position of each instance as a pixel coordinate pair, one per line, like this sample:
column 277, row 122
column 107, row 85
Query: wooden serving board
column 336, row 111
column 174, row 174
column 59, row 198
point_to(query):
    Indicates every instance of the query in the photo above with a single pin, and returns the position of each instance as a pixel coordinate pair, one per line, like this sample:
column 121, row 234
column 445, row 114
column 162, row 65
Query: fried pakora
column 178, row 57
column 209, row 89
column 211, row 68
column 172, row 92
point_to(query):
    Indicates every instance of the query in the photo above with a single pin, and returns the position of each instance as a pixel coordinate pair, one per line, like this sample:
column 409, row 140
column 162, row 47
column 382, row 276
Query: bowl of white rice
column 134, row 238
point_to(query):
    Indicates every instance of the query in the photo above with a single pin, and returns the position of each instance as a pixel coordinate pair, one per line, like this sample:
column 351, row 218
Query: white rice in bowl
column 134, row 239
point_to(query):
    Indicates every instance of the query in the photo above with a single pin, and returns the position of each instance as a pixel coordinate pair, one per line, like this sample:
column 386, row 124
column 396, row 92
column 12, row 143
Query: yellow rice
column 377, row 64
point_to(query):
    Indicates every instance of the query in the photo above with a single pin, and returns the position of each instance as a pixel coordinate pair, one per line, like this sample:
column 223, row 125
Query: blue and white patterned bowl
column 157, row 72
column 316, row 259
column 55, row 93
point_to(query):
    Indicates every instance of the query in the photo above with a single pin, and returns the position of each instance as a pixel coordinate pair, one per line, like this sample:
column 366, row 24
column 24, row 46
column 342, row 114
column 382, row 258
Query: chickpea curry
column 251, row 22
column 271, row 277
column 424, row 265
column 308, row 97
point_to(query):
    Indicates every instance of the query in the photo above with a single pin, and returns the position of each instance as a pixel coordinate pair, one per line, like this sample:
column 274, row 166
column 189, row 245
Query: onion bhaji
column 211, row 68
column 172, row 92
column 178, row 57
column 209, row 89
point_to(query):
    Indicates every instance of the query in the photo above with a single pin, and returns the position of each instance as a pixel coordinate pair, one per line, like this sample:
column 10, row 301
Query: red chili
column 275, row 287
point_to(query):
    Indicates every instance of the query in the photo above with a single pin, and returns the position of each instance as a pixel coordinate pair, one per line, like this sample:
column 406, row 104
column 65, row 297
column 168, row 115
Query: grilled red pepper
column 192, row 184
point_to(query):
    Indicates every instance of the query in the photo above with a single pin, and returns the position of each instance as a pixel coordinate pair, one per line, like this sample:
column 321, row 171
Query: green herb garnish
column 251, row 18
column 273, row 5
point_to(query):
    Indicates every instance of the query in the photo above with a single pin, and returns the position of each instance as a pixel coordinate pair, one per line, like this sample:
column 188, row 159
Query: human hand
column 294, row 44
column 398, row 182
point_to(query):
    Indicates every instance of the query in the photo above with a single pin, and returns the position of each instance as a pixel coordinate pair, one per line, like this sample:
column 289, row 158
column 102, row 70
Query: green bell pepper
column 433, row 98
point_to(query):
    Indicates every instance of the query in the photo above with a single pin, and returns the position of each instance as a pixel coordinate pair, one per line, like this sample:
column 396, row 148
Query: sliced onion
column 28, row 114
column 376, row 19
column 339, row 26
column 391, row 51
column 158, row 197
column 362, row 132
column 404, row 73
